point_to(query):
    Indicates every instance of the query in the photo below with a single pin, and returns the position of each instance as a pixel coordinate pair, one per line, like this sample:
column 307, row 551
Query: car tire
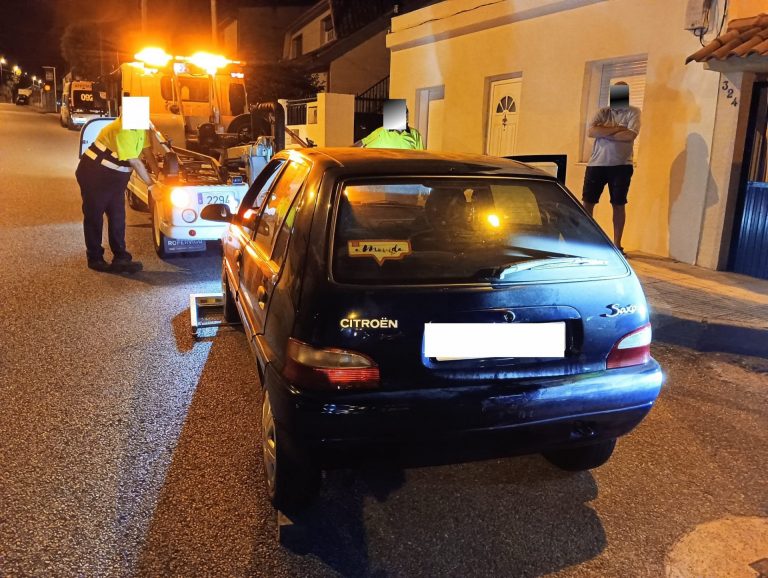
column 133, row 200
column 71, row 125
column 241, row 126
column 230, row 308
column 582, row 458
column 61, row 122
column 292, row 479
column 158, row 238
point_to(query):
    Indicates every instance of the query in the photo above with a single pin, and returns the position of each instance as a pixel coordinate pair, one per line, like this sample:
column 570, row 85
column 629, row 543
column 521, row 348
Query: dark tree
column 269, row 81
column 84, row 48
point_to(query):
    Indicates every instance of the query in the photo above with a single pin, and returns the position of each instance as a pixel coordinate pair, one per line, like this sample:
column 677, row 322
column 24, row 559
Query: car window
column 281, row 243
column 255, row 196
column 279, row 203
column 486, row 229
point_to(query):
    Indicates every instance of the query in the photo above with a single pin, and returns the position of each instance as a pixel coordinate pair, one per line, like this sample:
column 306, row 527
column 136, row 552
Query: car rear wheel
column 292, row 479
column 158, row 238
column 582, row 457
column 230, row 309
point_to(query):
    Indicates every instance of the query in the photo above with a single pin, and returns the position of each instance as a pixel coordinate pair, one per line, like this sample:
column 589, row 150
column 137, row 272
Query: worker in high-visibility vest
column 395, row 134
column 103, row 174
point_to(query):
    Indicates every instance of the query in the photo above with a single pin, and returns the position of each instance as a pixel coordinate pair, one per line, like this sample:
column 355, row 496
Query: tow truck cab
column 183, row 97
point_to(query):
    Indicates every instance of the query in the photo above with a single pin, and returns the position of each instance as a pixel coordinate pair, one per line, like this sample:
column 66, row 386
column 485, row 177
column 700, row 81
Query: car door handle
column 261, row 296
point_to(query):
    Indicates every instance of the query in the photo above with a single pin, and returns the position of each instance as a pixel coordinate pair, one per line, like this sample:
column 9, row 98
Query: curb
column 703, row 335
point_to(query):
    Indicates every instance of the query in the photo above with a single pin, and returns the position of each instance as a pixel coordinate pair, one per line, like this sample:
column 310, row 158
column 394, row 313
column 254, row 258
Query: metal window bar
column 296, row 111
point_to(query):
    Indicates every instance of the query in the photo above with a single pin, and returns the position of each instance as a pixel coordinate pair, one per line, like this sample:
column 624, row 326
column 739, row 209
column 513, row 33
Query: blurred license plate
column 211, row 199
column 453, row 341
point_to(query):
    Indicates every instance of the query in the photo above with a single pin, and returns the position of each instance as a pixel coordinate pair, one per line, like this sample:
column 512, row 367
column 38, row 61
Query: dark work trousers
column 103, row 191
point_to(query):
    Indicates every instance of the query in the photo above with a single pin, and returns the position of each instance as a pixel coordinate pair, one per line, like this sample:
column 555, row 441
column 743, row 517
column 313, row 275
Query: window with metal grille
column 328, row 31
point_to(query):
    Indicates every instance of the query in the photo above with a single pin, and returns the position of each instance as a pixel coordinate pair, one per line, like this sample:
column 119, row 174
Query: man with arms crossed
column 614, row 129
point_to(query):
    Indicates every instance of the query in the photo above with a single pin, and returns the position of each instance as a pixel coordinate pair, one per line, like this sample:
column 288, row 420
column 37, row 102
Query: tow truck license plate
column 184, row 245
column 210, row 199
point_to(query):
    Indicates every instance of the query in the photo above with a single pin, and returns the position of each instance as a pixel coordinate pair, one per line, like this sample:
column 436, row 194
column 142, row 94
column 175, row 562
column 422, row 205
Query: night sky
column 30, row 30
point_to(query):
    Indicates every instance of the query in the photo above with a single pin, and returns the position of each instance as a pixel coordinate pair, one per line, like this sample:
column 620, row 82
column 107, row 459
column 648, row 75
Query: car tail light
column 328, row 369
column 632, row 349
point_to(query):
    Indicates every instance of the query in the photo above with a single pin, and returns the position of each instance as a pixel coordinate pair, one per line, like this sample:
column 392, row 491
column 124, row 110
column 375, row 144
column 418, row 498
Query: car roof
column 403, row 161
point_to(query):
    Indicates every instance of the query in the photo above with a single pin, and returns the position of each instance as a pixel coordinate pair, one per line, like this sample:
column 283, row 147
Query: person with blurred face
column 103, row 174
column 395, row 134
column 614, row 129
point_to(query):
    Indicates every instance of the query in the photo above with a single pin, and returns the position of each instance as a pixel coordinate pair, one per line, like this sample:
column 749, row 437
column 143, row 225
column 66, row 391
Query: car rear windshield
column 465, row 230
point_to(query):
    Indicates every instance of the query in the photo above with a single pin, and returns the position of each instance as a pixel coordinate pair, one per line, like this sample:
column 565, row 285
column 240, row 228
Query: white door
column 503, row 117
column 435, row 125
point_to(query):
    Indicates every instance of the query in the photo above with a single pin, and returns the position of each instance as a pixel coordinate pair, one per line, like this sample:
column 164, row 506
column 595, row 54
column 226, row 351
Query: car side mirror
column 218, row 212
column 264, row 229
column 174, row 109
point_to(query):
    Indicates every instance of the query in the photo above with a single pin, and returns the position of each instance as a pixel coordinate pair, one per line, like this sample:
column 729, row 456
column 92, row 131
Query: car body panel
column 173, row 224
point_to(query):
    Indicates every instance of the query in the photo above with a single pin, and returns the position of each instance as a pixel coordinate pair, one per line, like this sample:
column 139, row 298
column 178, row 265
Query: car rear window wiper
column 547, row 263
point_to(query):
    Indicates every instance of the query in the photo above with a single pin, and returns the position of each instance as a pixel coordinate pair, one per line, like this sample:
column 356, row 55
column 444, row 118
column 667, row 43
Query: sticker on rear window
column 379, row 250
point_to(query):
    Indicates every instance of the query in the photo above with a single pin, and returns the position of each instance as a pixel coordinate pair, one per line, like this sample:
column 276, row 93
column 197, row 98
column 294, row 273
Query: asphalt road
column 127, row 448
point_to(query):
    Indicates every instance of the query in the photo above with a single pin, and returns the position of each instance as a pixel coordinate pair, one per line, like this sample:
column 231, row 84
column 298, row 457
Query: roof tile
column 743, row 38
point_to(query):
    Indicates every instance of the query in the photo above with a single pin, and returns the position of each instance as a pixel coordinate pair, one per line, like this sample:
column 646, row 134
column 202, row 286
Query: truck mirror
column 174, row 108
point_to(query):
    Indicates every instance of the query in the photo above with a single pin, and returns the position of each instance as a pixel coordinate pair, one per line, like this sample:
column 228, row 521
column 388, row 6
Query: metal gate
column 750, row 241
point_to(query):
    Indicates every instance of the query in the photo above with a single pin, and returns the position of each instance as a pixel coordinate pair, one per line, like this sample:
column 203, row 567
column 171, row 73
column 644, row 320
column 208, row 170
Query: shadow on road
column 393, row 515
column 503, row 517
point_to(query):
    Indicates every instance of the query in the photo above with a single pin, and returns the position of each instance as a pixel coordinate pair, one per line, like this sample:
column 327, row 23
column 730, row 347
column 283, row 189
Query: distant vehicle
column 80, row 102
column 403, row 296
column 23, row 96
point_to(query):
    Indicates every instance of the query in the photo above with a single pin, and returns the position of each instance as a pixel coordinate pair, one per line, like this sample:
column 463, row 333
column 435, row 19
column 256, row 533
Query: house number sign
column 730, row 92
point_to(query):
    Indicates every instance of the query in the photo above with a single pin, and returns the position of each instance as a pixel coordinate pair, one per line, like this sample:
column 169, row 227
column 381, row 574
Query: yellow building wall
column 361, row 67
column 746, row 8
column 552, row 51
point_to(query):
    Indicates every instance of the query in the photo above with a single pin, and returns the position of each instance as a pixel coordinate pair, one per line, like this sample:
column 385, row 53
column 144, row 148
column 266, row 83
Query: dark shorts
column 617, row 178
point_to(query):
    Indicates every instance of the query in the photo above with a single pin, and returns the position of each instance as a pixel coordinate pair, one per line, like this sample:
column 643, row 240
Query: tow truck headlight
column 180, row 198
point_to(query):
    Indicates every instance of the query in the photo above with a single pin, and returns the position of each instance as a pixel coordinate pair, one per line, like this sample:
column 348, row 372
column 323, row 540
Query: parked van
column 80, row 102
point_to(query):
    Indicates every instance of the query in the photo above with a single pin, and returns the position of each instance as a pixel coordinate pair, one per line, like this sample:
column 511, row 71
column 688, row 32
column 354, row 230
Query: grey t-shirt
column 610, row 153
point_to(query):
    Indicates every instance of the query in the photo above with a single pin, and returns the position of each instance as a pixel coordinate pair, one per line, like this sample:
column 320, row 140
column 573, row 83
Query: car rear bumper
column 192, row 233
column 539, row 415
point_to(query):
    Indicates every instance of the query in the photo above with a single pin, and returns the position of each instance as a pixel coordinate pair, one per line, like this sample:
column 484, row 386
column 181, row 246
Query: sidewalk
column 703, row 309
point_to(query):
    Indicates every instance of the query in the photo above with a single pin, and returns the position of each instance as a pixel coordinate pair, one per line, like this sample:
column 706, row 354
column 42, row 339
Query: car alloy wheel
column 269, row 443
column 291, row 475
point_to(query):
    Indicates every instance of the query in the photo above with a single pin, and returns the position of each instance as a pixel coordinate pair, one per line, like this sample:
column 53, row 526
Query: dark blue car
column 399, row 296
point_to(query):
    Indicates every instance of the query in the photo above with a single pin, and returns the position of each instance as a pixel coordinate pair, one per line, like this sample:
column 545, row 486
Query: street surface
column 127, row 448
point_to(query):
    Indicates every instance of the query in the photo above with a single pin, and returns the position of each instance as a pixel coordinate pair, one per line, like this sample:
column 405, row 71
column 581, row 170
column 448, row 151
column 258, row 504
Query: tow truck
column 188, row 181
column 198, row 102
column 203, row 163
